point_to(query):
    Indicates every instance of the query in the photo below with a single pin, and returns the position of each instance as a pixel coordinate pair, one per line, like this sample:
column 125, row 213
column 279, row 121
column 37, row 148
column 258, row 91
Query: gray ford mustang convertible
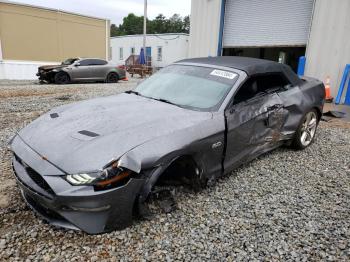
column 92, row 165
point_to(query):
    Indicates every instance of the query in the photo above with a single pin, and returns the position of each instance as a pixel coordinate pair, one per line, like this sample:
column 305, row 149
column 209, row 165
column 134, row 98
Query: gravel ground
column 286, row 205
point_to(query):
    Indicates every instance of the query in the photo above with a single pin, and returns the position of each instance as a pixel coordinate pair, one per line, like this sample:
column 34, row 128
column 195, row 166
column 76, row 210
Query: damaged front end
column 47, row 73
column 113, row 175
column 94, row 202
column 46, row 76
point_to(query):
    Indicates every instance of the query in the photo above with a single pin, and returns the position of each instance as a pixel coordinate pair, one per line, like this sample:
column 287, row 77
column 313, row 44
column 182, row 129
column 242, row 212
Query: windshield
column 192, row 87
column 69, row 61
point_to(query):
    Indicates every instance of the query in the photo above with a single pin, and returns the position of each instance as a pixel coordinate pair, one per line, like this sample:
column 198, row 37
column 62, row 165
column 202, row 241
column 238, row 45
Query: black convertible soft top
column 252, row 66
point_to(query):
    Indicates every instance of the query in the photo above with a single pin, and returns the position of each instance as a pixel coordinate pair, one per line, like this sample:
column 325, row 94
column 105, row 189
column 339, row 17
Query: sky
column 115, row 10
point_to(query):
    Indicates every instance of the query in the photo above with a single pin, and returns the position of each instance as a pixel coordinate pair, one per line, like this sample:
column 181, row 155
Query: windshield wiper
column 165, row 101
column 158, row 99
column 132, row 92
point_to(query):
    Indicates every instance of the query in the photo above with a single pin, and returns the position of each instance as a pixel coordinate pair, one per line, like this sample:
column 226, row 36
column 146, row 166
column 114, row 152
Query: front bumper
column 94, row 213
column 44, row 76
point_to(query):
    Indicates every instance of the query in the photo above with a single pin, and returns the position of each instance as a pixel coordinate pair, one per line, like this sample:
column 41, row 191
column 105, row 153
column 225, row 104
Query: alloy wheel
column 112, row 78
column 62, row 78
column 308, row 128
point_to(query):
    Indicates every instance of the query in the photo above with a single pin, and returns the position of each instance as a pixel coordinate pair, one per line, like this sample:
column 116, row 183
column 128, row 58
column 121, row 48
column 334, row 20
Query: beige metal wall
column 205, row 27
column 328, row 49
column 36, row 34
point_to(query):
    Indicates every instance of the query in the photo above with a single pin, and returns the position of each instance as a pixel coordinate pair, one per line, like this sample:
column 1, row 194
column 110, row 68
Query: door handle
column 277, row 106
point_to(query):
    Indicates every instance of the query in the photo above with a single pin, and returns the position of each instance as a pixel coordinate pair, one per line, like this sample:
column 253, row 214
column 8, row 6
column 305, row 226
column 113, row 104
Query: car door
column 294, row 102
column 254, row 120
column 148, row 55
column 80, row 70
column 98, row 69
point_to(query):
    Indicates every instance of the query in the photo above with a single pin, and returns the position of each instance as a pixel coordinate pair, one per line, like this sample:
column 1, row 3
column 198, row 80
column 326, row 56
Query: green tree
column 158, row 25
column 114, row 30
column 175, row 24
column 133, row 24
column 186, row 24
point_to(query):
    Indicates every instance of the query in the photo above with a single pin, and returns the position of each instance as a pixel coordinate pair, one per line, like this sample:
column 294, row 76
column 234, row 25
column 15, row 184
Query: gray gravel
column 286, row 205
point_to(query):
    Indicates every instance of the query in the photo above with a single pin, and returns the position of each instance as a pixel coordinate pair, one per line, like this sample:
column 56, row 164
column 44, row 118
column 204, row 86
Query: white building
column 164, row 49
column 279, row 30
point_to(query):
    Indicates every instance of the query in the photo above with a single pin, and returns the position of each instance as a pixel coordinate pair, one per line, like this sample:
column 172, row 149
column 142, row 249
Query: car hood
column 85, row 136
column 51, row 67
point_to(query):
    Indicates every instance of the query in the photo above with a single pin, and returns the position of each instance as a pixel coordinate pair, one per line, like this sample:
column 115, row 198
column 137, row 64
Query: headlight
column 111, row 176
column 82, row 179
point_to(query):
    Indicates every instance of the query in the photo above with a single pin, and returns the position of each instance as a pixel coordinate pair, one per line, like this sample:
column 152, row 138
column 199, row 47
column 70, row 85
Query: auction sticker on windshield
column 224, row 74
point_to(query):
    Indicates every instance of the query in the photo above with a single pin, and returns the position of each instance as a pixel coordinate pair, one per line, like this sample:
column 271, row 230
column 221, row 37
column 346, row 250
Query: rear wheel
column 306, row 131
column 61, row 78
column 112, row 78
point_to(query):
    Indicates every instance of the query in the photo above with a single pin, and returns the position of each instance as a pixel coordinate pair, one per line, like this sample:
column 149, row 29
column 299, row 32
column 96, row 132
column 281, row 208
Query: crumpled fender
column 157, row 154
column 130, row 161
column 161, row 150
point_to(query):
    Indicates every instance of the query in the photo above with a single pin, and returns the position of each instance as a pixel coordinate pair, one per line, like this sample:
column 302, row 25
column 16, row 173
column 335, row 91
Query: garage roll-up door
column 250, row 23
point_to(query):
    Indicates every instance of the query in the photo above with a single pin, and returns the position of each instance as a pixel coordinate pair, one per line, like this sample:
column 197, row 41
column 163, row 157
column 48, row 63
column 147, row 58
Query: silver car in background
column 81, row 70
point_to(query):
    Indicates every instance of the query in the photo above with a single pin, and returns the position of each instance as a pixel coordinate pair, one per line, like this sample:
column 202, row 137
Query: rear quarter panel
column 121, row 73
column 114, row 69
column 314, row 90
column 309, row 94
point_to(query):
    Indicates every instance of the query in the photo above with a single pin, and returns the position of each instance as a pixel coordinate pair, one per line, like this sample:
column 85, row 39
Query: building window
column 132, row 50
column 159, row 53
column 121, row 53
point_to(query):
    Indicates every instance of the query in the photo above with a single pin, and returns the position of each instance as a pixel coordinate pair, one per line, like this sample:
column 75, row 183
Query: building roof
column 51, row 9
column 155, row 35
column 251, row 66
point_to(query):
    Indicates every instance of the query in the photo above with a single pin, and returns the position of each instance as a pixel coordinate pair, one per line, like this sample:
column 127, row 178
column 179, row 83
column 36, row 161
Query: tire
column 305, row 134
column 112, row 78
column 61, row 78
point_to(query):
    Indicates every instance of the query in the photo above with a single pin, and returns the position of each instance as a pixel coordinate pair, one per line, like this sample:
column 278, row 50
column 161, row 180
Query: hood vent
column 54, row 115
column 88, row 133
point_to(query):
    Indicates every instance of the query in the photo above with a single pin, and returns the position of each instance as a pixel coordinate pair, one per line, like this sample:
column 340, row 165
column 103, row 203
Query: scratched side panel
column 254, row 127
column 299, row 100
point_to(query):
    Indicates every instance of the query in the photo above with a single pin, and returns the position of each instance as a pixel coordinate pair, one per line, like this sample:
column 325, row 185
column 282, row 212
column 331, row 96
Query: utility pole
column 144, row 28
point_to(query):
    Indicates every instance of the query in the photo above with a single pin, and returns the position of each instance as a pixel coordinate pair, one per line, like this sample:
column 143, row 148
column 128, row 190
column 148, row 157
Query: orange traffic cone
column 328, row 97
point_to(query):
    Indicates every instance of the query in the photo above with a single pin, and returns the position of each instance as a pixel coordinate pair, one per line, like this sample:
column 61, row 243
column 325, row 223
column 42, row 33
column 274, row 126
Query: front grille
column 38, row 179
column 35, row 176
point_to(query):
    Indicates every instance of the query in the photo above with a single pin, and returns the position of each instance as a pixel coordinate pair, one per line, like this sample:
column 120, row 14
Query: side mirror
column 77, row 64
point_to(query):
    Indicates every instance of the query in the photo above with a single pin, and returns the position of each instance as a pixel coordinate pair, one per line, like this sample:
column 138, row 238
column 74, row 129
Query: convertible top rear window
column 193, row 87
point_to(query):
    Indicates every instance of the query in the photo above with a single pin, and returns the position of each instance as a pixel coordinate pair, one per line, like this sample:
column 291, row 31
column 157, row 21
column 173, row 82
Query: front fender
column 160, row 151
column 157, row 154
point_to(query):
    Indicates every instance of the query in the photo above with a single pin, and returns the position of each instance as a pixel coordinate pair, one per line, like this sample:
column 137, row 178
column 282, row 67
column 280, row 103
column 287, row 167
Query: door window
column 84, row 62
column 260, row 85
column 148, row 51
column 91, row 62
column 98, row 62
